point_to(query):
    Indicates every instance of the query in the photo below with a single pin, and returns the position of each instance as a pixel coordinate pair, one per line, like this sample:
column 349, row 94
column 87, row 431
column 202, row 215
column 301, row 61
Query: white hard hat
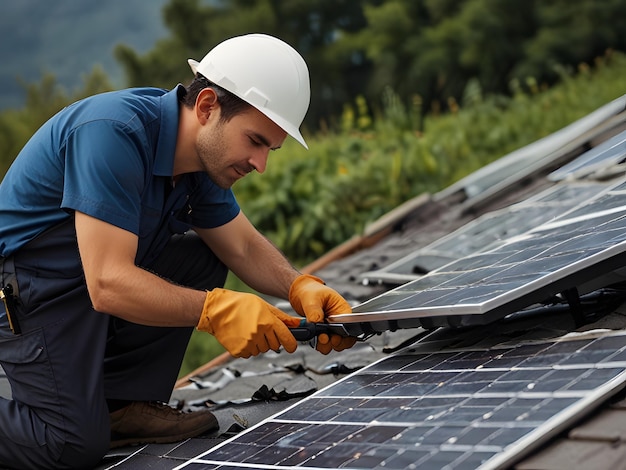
column 265, row 72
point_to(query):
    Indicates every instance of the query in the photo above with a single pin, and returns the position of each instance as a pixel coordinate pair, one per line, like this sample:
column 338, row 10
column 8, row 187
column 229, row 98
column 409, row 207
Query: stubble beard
column 211, row 151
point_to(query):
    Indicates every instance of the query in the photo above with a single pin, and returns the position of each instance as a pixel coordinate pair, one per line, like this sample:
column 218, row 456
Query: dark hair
column 230, row 104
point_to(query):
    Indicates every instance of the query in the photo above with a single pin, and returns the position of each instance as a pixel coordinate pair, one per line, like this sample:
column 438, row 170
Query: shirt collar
column 168, row 132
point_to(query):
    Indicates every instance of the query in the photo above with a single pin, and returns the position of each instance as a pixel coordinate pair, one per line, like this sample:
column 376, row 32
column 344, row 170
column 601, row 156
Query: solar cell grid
column 528, row 268
column 424, row 408
column 488, row 231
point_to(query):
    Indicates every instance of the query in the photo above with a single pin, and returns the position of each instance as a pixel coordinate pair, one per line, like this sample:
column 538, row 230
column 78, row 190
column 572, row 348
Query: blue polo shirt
column 110, row 156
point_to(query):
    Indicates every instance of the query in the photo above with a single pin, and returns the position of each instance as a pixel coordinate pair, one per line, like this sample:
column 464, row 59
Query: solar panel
column 609, row 152
column 485, row 232
column 489, row 180
column 433, row 408
column 583, row 244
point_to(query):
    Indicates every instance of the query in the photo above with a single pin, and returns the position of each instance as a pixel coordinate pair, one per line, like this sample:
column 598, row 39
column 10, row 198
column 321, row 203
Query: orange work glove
column 311, row 298
column 245, row 324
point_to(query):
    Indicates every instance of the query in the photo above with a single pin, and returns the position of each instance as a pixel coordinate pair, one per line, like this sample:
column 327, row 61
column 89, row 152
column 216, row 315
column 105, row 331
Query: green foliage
column 569, row 33
column 435, row 48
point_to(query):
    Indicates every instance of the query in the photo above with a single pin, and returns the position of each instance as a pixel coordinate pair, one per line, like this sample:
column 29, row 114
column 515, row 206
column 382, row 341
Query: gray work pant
column 70, row 359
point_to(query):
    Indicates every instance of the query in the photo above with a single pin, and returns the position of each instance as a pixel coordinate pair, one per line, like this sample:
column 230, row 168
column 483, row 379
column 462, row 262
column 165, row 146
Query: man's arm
column 118, row 287
column 243, row 323
column 251, row 256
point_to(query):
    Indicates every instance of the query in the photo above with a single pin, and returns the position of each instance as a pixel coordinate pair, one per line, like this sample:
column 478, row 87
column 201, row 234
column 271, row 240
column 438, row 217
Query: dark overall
column 69, row 359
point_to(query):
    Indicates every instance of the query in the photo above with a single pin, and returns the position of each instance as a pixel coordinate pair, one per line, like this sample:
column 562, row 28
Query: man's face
column 230, row 150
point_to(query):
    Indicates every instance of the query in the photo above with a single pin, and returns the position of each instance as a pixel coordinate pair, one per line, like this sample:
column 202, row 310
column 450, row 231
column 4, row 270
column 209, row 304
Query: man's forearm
column 141, row 297
column 266, row 269
column 252, row 257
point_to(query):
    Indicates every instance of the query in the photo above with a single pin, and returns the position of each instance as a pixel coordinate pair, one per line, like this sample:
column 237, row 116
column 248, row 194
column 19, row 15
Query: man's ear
column 206, row 104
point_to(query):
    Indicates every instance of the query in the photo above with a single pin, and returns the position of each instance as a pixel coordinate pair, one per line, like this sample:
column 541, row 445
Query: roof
column 248, row 393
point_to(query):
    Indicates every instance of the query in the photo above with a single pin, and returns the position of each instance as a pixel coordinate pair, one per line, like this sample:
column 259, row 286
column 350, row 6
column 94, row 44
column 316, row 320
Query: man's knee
column 85, row 457
column 83, row 437
column 85, row 449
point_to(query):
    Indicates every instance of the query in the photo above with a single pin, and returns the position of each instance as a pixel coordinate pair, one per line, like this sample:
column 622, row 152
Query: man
column 118, row 226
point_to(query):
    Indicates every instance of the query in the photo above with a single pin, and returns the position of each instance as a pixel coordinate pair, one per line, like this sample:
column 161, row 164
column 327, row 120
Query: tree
column 570, row 33
column 435, row 48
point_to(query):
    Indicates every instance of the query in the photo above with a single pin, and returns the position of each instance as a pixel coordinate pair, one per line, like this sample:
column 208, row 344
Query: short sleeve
column 105, row 173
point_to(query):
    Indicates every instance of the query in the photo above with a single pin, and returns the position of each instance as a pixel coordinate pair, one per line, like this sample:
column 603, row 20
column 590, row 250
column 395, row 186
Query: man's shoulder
column 131, row 108
column 136, row 93
column 123, row 102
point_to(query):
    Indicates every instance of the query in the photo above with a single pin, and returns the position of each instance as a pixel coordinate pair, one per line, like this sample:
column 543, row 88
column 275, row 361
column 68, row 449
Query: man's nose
column 259, row 160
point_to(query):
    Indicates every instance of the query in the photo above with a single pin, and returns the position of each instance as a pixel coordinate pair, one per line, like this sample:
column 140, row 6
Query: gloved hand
column 245, row 324
column 311, row 298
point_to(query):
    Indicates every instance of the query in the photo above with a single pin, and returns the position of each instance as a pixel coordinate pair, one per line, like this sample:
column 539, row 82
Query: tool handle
column 305, row 332
column 6, row 295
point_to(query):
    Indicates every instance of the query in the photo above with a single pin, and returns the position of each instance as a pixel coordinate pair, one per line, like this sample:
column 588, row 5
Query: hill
column 68, row 38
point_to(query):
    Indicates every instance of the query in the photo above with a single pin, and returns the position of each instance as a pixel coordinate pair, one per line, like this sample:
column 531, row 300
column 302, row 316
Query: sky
column 68, row 38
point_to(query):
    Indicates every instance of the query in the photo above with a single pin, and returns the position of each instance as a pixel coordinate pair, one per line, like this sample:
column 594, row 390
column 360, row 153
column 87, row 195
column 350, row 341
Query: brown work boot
column 152, row 422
